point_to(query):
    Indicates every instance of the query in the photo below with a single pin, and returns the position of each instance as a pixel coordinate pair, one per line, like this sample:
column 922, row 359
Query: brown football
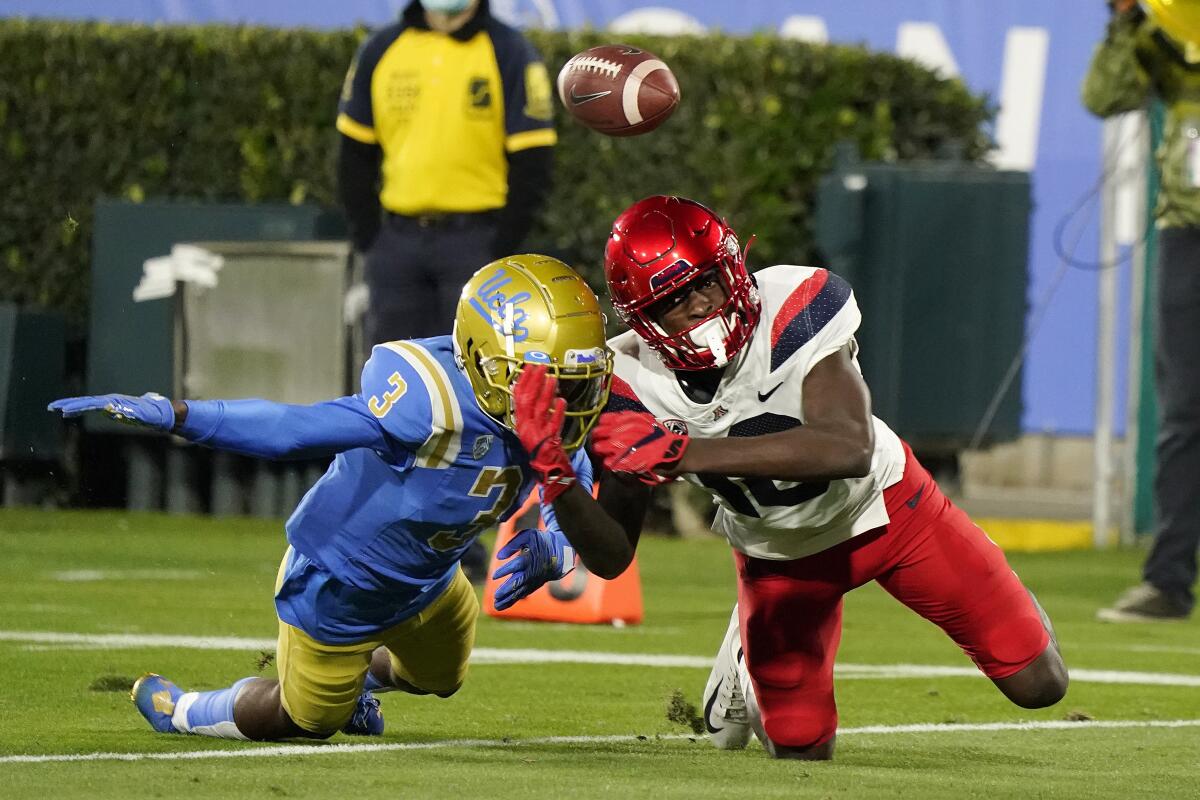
column 618, row 90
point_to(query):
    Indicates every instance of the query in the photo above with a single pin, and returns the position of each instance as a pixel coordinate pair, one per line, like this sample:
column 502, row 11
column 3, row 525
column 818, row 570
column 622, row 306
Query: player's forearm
column 807, row 454
column 602, row 544
column 279, row 431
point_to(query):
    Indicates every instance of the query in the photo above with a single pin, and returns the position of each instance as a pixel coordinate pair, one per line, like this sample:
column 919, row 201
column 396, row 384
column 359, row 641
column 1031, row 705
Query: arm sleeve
column 528, row 98
column 530, row 173
column 356, row 118
column 264, row 429
column 529, row 135
column 1117, row 79
column 358, row 190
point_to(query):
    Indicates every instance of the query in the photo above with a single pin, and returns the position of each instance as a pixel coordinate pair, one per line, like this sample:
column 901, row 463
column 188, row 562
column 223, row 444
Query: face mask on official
column 446, row 6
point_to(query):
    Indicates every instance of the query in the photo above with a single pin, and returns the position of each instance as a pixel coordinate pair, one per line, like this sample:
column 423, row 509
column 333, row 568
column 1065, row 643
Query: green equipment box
column 937, row 254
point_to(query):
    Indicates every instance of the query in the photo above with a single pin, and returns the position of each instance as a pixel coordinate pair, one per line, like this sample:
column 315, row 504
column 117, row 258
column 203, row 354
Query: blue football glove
column 150, row 410
column 541, row 556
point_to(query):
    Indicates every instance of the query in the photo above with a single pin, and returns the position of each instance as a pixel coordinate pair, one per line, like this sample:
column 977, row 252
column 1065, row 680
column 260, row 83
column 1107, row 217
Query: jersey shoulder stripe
column 445, row 439
column 623, row 398
column 807, row 310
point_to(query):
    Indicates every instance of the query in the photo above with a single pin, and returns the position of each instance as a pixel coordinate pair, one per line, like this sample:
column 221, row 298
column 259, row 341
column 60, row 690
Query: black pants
column 1171, row 565
column 416, row 270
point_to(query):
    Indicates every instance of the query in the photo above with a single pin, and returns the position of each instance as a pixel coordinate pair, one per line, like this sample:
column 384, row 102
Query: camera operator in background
column 1146, row 56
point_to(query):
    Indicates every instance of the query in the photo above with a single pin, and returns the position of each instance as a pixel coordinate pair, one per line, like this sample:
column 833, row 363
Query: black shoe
column 475, row 563
column 1145, row 603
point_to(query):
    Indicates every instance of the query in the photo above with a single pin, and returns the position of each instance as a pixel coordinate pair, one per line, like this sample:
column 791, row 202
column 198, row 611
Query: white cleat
column 725, row 715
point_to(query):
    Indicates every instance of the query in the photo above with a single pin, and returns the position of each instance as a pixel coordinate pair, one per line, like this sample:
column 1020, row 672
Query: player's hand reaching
column 150, row 410
column 635, row 443
column 538, row 415
column 540, row 557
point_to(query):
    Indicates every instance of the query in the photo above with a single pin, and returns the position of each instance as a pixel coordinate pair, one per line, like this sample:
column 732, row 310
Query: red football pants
column 930, row 557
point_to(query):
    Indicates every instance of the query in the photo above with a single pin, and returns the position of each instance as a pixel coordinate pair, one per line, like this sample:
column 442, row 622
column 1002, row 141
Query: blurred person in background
column 447, row 437
column 446, row 156
column 1136, row 62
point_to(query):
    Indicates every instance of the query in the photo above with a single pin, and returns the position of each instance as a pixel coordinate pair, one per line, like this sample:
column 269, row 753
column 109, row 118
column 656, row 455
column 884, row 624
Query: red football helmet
column 658, row 246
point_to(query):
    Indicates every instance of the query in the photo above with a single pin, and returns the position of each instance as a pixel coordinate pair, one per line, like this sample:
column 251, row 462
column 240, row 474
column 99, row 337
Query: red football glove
column 634, row 443
column 538, row 416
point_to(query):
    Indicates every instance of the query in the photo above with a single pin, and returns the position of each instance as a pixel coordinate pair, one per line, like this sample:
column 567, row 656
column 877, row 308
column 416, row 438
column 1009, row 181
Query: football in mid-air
column 618, row 90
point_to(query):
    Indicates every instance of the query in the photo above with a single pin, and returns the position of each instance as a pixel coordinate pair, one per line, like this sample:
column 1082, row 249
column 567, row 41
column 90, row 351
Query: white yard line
column 1161, row 648
column 289, row 750
column 494, row 655
column 92, row 575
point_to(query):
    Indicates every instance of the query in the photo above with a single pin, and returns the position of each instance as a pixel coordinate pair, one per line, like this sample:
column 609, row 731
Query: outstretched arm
column 836, row 440
column 251, row 427
column 603, row 543
column 280, row 431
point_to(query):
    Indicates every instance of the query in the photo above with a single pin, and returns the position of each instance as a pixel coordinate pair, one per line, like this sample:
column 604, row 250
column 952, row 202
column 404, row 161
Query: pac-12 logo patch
column 482, row 445
column 676, row 426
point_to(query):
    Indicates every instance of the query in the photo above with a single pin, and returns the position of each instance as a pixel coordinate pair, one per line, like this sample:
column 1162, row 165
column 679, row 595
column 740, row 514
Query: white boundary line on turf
column 493, row 655
column 267, row 751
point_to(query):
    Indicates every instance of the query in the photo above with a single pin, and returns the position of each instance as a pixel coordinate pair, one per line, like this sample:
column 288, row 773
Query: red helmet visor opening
column 708, row 342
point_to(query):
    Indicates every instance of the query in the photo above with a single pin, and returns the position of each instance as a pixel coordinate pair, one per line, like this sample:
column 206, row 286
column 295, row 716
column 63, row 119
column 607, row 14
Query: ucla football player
column 446, row 438
column 749, row 386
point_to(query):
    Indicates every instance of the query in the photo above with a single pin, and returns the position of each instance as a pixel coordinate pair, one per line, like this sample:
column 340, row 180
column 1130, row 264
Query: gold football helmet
column 532, row 309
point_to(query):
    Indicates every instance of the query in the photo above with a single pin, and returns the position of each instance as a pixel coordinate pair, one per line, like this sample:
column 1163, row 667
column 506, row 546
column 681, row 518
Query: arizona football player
column 749, row 386
column 447, row 437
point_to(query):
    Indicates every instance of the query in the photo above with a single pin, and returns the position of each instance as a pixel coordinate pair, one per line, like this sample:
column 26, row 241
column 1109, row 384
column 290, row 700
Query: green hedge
column 237, row 113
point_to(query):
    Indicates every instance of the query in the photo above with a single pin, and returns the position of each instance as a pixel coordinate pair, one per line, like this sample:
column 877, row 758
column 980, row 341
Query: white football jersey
column 807, row 314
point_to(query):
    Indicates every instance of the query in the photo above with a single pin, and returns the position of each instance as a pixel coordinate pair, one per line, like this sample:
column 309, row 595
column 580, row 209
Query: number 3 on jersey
column 381, row 406
column 508, row 480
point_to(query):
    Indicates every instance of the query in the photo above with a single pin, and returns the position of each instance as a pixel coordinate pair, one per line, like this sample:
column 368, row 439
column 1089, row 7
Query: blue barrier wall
column 1029, row 53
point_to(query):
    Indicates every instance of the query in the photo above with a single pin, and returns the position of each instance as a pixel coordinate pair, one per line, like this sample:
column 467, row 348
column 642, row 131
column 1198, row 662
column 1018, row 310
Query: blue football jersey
column 380, row 535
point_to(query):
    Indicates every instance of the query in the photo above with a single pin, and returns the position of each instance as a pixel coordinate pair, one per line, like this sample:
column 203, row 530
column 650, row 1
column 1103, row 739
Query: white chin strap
column 711, row 334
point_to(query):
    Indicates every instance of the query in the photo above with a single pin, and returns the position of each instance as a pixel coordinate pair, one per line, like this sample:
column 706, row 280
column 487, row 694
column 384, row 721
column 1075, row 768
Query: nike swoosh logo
column 712, row 701
column 580, row 99
column 763, row 397
column 916, row 498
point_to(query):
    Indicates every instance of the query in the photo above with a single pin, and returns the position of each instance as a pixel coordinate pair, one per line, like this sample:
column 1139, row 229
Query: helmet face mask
column 531, row 309
column 584, row 388
column 661, row 246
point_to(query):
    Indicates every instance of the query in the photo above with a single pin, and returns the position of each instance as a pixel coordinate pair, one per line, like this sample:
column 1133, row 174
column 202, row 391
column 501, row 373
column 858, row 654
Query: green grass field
column 102, row 574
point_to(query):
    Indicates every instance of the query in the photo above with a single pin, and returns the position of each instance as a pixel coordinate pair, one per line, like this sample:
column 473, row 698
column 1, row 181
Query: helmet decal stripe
column 445, row 440
column 660, row 279
column 808, row 309
column 509, row 349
